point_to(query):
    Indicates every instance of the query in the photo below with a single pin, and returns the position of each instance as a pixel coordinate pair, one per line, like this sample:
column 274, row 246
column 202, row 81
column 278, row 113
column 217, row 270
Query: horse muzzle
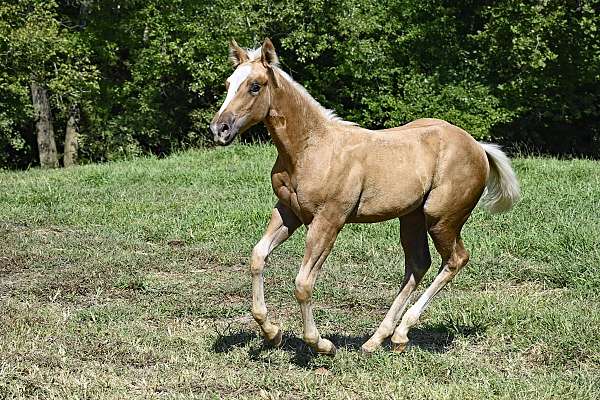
column 224, row 131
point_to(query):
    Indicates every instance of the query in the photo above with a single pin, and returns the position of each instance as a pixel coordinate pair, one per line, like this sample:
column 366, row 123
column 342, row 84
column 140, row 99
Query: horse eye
column 255, row 87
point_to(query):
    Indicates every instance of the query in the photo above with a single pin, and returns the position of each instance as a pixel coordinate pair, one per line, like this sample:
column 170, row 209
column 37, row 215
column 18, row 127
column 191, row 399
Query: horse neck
column 293, row 121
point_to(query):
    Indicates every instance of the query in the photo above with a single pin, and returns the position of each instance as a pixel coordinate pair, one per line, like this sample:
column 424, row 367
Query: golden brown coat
column 430, row 174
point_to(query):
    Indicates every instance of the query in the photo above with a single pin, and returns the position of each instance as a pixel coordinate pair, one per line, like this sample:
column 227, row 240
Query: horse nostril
column 223, row 128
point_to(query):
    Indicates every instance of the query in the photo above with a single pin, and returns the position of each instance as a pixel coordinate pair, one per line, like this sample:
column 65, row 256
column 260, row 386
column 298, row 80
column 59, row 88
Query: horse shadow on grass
column 432, row 338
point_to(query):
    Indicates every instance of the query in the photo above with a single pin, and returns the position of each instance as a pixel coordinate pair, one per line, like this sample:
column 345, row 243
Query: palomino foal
column 429, row 174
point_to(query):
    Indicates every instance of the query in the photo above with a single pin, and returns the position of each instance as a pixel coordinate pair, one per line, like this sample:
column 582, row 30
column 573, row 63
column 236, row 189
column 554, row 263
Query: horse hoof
column 327, row 349
column 399, row 347
column 331, row 352
column 365, row 353
column 367, row 350
column 276, row 340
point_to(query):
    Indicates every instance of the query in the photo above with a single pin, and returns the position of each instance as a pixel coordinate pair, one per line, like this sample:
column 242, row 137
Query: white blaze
column 235, row 80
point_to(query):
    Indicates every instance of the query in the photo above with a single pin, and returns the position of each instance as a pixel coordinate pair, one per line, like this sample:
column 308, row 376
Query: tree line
column 90, row 80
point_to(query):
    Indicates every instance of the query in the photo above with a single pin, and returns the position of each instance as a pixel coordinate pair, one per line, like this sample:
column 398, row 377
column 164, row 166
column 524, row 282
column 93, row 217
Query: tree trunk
column 43, row 126
column 72, row 137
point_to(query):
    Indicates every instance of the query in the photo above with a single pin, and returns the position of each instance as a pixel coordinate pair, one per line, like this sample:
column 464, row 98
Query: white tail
column 502, row 188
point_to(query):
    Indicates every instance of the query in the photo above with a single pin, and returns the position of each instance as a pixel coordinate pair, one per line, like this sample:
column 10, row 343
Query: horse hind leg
column 417, row 260
column 445, row 233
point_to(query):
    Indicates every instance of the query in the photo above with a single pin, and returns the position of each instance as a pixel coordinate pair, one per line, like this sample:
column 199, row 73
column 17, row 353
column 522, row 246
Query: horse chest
column 301, row 202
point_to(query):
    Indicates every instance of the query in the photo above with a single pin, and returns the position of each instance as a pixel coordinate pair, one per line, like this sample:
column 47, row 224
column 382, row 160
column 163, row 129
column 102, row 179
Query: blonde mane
column 254, row 54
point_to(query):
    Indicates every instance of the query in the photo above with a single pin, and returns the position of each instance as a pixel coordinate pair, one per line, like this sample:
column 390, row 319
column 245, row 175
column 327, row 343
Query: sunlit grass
column 130, row 280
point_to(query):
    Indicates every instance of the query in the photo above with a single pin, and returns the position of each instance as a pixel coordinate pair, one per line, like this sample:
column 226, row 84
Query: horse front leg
column 319, row 242
column 283, row 223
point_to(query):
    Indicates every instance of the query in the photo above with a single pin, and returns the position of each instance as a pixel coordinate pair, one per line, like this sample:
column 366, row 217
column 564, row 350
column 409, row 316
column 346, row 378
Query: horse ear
column 237, row 55
column 268, row 56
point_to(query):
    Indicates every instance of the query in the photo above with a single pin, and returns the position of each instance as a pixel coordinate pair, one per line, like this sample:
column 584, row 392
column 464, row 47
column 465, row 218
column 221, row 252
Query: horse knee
column 303, row 289
column 259, row 257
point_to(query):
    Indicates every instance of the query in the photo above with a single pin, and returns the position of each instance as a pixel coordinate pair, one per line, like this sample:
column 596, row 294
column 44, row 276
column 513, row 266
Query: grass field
column 130, row 280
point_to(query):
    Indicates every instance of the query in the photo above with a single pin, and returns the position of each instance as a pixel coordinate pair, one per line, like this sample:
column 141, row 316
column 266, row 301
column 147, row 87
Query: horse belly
column 389, row 199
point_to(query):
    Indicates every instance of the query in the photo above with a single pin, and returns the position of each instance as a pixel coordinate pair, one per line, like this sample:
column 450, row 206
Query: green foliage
column 546, row 67
column 149, row 74
column 35, row 45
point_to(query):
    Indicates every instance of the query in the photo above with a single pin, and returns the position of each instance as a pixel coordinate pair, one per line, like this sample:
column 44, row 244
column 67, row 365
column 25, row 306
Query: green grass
column 130, row 280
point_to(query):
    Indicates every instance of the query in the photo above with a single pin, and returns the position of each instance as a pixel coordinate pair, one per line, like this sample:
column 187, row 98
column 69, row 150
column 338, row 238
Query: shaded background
column 147, row 76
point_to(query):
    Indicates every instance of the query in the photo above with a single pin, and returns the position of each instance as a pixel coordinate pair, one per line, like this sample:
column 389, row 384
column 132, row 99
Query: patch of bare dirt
column 13, row 264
